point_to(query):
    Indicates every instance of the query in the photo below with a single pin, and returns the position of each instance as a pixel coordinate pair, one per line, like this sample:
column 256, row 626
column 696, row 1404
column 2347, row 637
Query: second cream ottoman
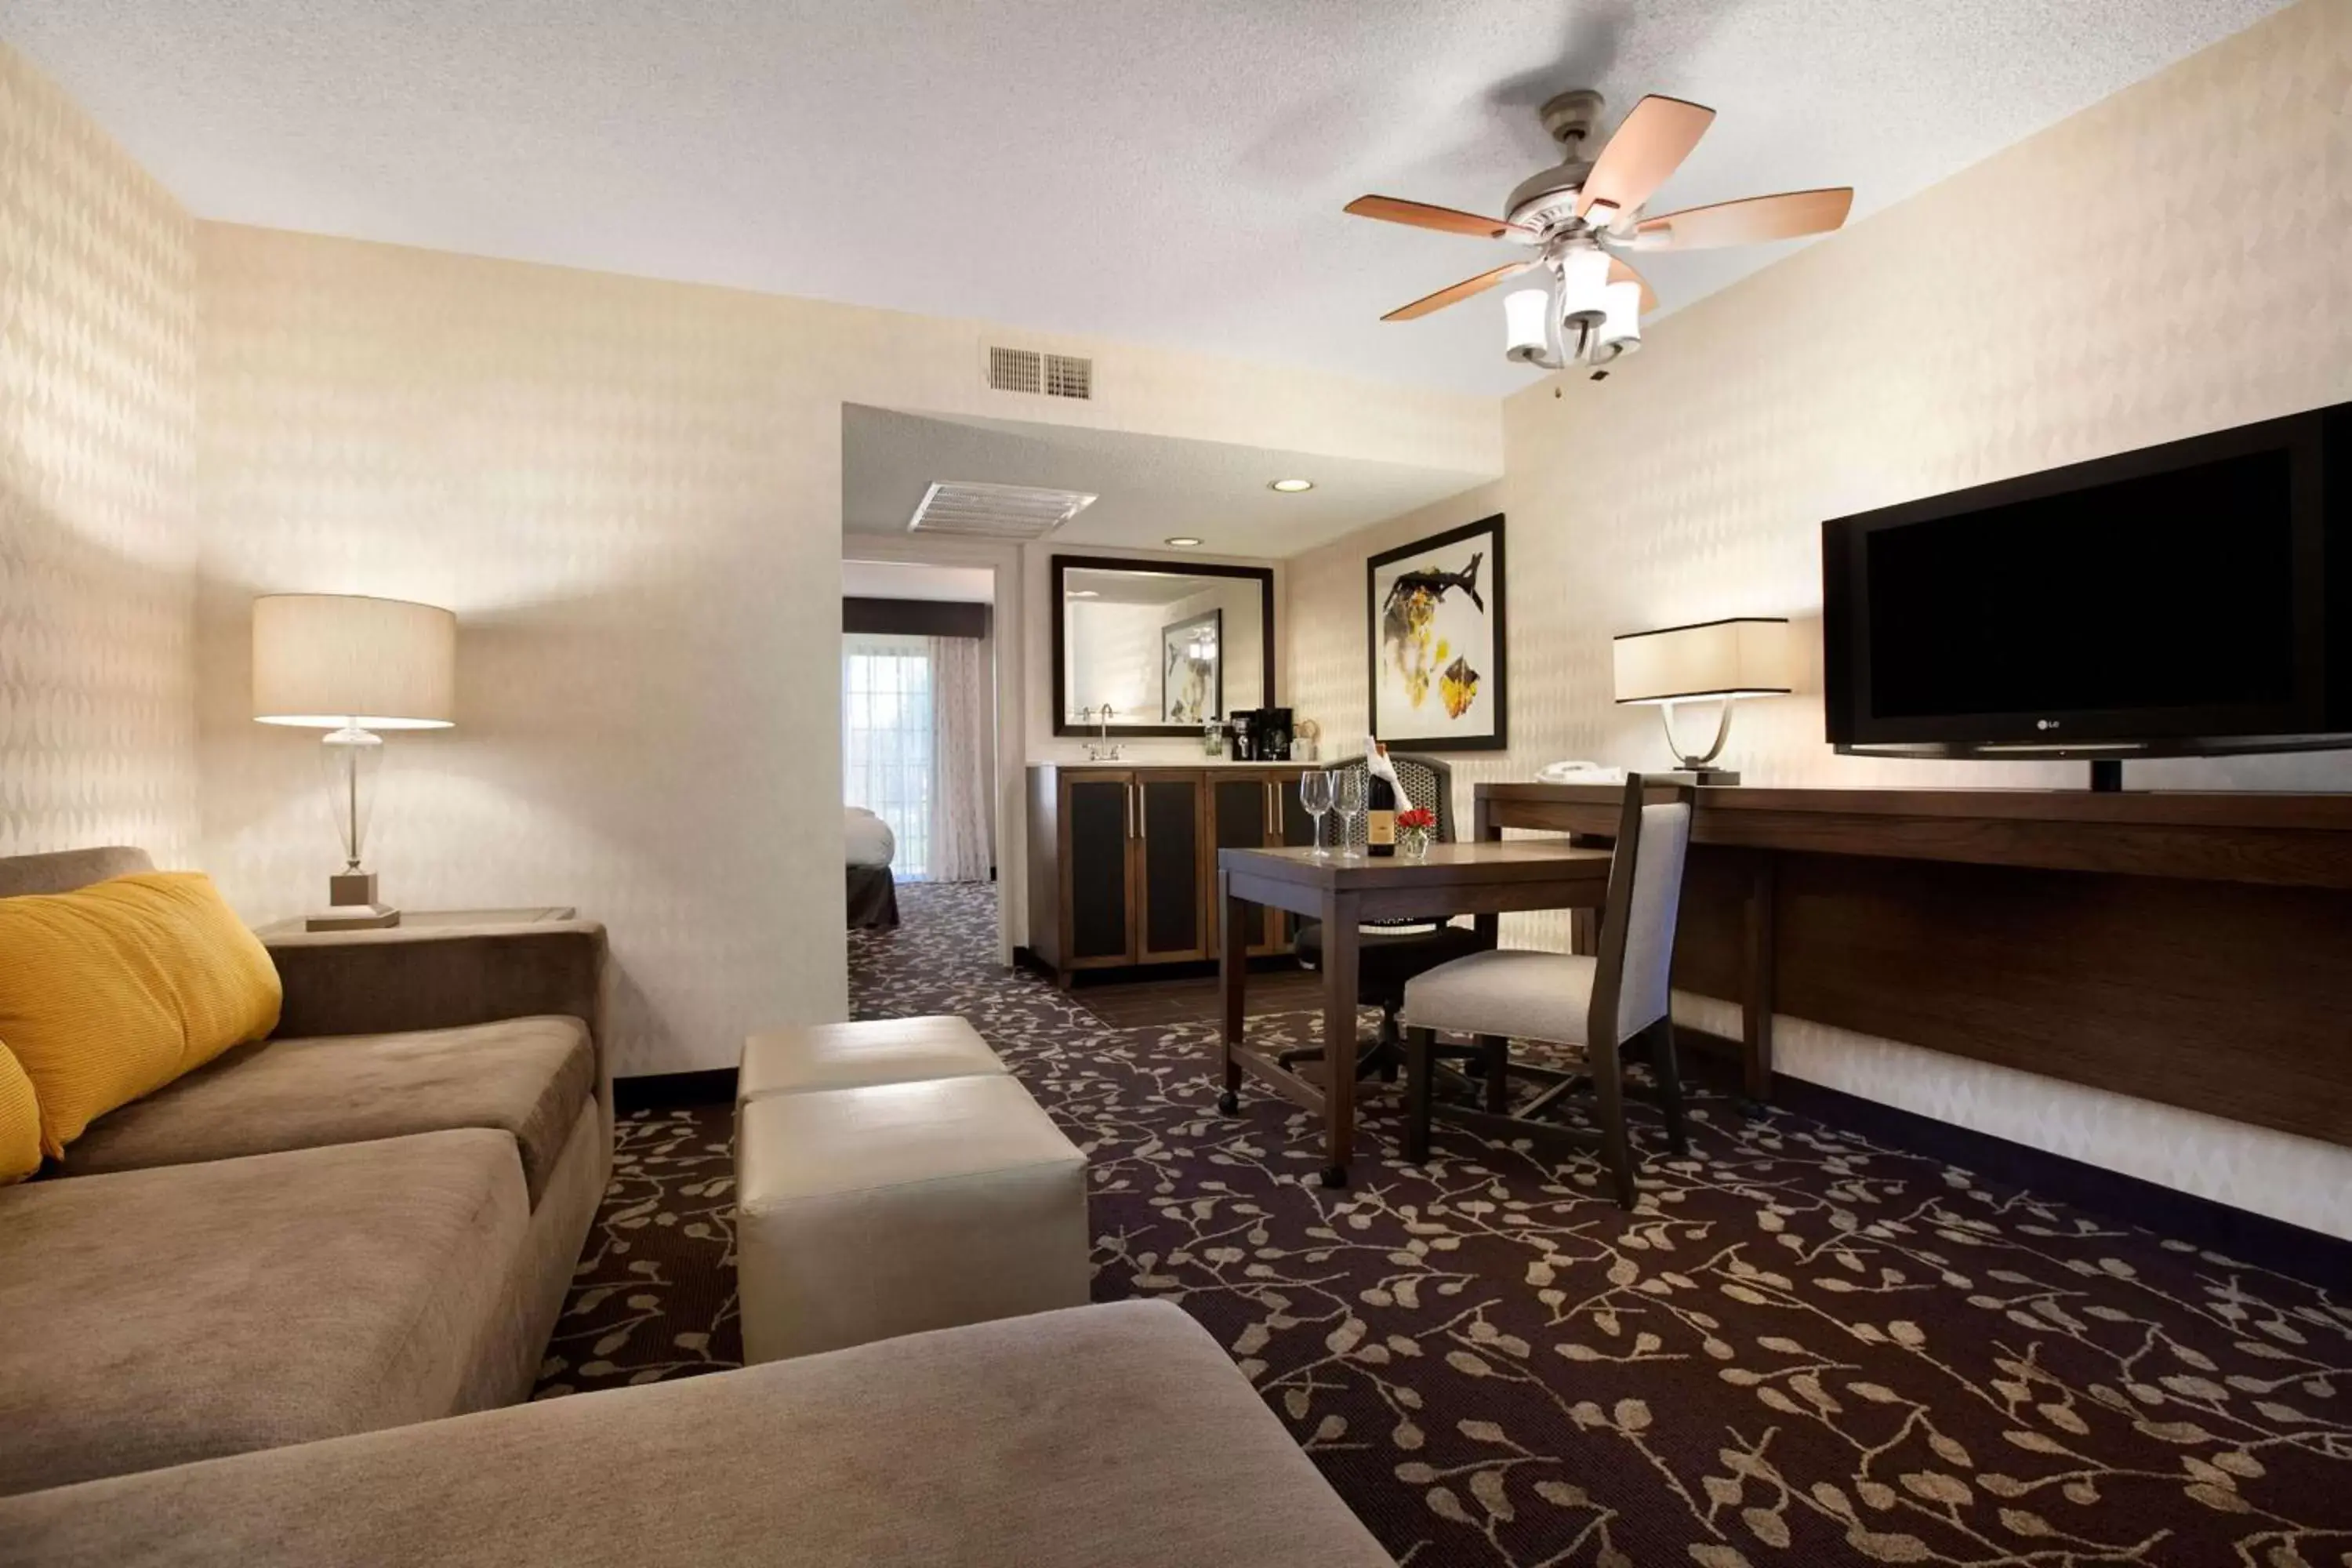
column 863, row 1213
column 853, row 1054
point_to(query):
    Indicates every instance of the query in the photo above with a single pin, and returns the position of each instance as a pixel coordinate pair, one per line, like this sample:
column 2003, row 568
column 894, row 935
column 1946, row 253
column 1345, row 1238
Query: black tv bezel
column 2299, row 723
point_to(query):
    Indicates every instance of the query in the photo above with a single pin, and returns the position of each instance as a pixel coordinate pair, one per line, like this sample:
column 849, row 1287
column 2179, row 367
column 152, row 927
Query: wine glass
column 1315, row 795
column 1349, row 797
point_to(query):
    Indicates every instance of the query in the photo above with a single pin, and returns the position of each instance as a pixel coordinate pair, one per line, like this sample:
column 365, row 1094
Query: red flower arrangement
column 1418, row 816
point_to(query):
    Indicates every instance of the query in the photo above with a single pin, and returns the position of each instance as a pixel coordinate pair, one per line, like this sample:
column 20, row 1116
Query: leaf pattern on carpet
column 1803, row 1348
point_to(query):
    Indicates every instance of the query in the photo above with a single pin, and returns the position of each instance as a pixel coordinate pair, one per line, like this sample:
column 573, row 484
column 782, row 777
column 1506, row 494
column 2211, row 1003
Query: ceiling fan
column 1582, row 213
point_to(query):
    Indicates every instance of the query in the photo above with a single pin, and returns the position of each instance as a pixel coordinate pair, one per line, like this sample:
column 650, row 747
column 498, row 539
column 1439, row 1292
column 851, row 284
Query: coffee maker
column 1262, row 735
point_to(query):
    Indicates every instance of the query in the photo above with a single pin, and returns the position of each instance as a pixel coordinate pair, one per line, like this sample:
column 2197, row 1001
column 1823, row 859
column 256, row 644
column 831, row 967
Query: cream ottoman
column 851, row 1056
column 863, row 1213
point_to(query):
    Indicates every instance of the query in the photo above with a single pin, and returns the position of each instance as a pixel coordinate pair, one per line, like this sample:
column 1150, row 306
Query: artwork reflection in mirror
column 1161, row 650
column 1192, row 680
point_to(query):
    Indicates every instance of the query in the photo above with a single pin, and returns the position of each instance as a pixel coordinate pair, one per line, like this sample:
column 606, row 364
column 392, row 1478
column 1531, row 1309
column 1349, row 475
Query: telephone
column 1579, row 773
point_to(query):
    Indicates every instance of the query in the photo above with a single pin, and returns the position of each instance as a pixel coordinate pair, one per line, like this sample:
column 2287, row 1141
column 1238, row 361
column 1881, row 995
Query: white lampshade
column 1527, row 317
column 1749, row 657
column 325, row 661
column 1583, row 284
column 1621, row 324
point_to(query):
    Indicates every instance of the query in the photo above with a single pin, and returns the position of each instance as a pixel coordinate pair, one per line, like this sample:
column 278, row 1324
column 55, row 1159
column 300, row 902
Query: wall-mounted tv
column 2190, row 598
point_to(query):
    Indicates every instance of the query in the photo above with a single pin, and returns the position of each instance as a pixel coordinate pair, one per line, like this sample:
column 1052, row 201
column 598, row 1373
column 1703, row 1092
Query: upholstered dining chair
column 1602, row 1004
column 1390, row 952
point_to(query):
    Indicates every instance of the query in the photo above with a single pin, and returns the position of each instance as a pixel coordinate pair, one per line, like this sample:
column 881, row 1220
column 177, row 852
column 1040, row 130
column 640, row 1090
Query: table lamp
column 352, row 666
column 1715, row 660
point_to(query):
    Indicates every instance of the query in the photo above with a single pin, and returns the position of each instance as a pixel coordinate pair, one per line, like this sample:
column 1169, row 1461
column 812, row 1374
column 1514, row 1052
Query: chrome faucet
column 1102, row 749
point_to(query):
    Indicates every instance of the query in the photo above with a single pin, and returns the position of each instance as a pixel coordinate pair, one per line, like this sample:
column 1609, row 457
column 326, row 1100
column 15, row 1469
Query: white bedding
column 870, row 843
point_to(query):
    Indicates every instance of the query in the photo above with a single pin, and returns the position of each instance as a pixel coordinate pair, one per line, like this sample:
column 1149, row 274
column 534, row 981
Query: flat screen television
column 2192, row 598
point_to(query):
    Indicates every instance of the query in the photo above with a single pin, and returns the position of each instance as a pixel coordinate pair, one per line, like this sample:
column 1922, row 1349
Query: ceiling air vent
column 1017, row 370
column 971, row 510
column 1040, row 374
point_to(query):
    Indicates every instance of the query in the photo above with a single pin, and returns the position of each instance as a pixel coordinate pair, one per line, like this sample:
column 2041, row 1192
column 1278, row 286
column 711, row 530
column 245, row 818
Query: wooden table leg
column 1484, row 828
column 1340, row 954
column 1232, row 983
column 1757, row 999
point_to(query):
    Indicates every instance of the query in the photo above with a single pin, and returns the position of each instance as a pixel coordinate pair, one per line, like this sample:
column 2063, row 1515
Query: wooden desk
column 2194, row 949
column 1482, row 879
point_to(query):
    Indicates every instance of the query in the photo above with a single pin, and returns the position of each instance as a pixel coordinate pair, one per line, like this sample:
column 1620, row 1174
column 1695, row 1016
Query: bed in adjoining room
column 873, row 895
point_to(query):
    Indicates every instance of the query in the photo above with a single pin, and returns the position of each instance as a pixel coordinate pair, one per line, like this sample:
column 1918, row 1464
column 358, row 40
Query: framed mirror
column 1164, row 649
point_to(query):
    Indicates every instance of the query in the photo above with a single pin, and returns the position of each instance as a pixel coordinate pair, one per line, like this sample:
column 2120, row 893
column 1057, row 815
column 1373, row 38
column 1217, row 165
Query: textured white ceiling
column 1148, row 487
column 1164, row 173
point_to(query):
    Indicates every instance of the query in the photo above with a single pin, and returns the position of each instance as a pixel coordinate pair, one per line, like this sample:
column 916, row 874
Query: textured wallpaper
column 607, row 482
column 630, row 492
column 2169, row 261
column 98, row 540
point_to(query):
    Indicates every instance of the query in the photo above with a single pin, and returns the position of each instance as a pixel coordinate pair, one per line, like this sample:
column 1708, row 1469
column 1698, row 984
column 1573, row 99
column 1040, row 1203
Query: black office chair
column 1390, row 952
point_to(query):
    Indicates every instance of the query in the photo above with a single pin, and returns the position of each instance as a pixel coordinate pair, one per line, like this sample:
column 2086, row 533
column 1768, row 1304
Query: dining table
column 1485, row 878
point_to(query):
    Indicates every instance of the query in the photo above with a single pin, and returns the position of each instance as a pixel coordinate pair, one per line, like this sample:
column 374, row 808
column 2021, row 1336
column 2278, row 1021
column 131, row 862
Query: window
column 886, row 740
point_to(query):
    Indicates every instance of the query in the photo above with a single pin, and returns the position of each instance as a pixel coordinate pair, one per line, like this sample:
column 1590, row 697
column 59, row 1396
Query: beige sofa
column 228, row 1326
column 1097, row 1436
column 369, row 1219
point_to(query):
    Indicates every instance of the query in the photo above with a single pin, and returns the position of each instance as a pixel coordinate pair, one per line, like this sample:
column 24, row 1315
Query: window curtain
column 963, row 787
column 887, row 744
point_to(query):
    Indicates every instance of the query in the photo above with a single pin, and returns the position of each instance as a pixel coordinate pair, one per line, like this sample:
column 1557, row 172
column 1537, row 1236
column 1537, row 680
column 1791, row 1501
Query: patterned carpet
column 1803, row 1350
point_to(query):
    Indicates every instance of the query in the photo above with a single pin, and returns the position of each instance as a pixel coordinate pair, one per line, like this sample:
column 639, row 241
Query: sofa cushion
column 155, row 1316
column 63, row 870
column 111, row 990
column 529, row 1077
column 1097, row 1435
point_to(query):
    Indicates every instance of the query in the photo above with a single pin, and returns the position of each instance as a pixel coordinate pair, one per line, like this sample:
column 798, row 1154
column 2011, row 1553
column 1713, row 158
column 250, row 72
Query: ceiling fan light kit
column 1527, row 320
column 1581, row 213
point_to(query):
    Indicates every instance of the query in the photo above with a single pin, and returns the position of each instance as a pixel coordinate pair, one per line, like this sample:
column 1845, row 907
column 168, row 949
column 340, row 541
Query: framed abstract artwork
column 1193, row 669
column 1437, row 642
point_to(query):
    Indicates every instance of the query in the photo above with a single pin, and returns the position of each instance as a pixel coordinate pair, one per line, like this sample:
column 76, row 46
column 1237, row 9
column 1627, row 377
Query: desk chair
column 1391, row 953
column 1601, row 1004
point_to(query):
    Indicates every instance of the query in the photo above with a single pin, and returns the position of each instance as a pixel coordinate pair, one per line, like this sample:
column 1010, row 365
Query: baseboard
column 666, row 1090
column 2257, row 1240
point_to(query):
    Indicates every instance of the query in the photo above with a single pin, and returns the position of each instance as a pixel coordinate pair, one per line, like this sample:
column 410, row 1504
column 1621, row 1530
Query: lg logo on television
column 2045, row 723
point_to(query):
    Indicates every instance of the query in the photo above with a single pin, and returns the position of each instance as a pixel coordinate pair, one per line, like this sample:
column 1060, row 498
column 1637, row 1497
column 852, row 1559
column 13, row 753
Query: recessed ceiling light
column 1291, row 487
column 1181, row 540
column 1083, row 594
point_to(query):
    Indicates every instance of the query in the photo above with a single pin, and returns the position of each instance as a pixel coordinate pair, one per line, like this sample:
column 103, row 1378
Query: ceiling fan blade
column 1421, row 214
column 1745, row 222
column 1650, row 145
column 1462, row 291
column 1620, row 273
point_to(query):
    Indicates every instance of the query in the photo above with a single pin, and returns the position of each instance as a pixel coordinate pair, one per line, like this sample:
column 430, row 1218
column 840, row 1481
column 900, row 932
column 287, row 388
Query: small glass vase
column 1413, row 842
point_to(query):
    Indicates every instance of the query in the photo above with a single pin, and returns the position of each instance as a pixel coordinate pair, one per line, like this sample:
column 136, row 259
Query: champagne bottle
column 1380, row 796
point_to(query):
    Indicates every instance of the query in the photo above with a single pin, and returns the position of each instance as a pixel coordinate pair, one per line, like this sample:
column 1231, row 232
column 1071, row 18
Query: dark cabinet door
column 1098, row 823
column 1239, row 810
column 1170, row 907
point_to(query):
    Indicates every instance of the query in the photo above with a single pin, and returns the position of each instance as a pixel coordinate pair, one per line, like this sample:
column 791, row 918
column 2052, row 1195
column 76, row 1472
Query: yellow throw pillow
column 20, row 1121
column 113, row 990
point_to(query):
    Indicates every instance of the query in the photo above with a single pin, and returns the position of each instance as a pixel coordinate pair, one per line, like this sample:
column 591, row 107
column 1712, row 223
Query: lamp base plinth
column 1695, row 776
column 352, row 905
column 351, row 917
